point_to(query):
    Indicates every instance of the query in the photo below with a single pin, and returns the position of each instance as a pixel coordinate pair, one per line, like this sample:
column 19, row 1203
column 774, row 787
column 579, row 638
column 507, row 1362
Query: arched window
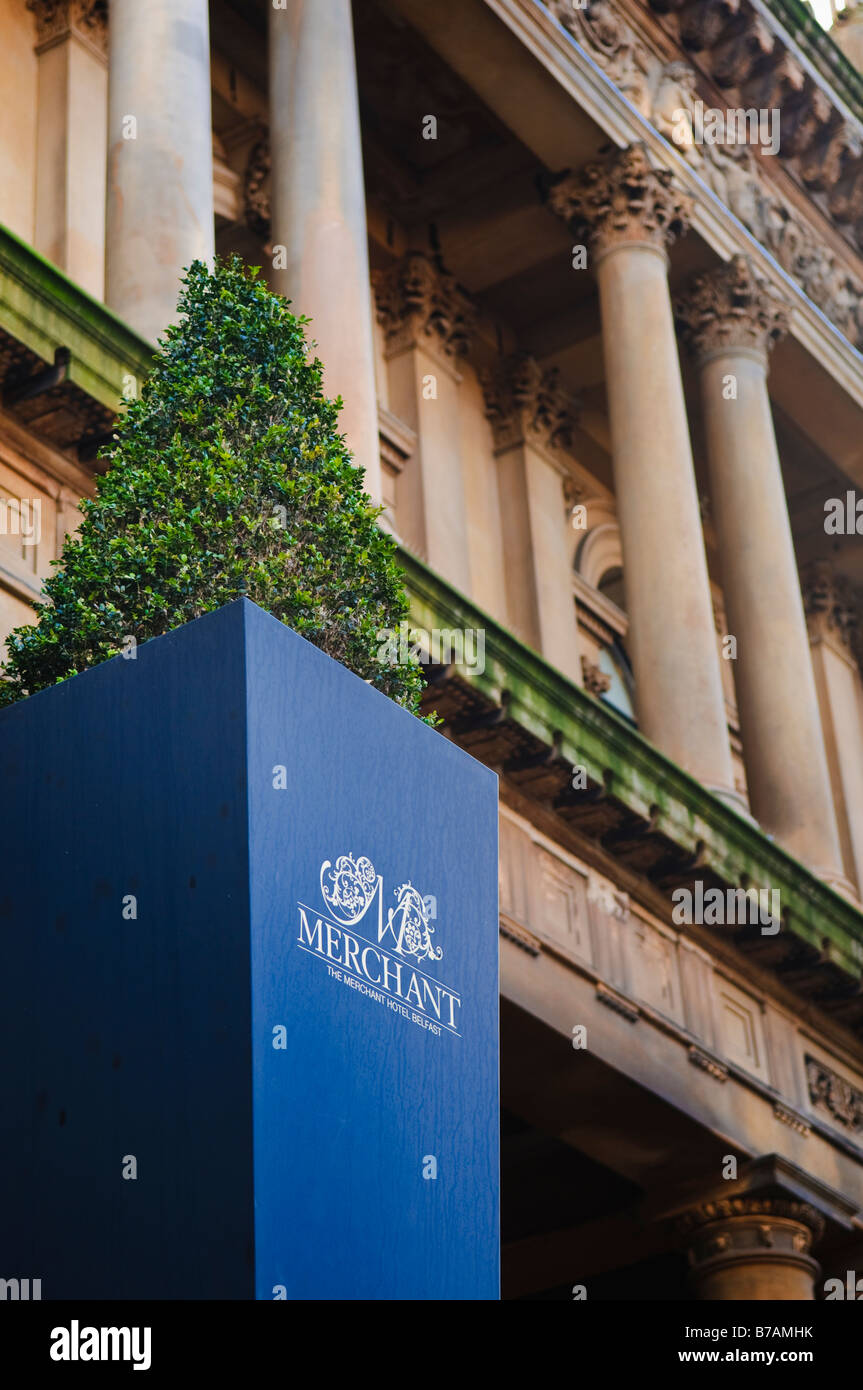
column 611, row 586
column 599, row 563
column 614, row 663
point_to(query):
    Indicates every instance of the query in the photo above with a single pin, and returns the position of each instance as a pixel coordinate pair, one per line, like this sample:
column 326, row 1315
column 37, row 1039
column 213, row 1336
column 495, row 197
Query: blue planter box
column 248, row 982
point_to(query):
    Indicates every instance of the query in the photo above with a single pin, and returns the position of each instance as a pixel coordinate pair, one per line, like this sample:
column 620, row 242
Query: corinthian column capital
column 730, row 308
column 831, row 610
column 87, row 19
column 527, row 405
column 420, row 304
column 621, row 200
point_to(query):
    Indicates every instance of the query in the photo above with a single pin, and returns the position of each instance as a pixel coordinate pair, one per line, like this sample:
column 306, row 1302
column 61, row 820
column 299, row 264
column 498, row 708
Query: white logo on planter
column 378, row 955
column 349, row 889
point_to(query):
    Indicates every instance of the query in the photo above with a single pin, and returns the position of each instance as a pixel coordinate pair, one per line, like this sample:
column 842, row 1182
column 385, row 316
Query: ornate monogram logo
column 350, row 887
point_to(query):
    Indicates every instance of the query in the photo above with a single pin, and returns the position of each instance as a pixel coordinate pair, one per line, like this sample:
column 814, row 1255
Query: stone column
column 160, row 156
column 628, row 212
column 834, row 637
column 729, row 321
column 71, row 137
column 319, row 236
column 427, row 323
column 743, row 1248
column 532, row 420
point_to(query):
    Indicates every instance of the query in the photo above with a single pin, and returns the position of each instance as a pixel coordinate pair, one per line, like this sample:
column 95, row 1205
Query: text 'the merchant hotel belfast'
column 589, row 278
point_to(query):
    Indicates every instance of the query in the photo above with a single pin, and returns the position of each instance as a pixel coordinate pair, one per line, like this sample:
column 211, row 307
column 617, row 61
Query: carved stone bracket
column 623, row 199
column 56, row 19
column 420, row 304
column 730, row 307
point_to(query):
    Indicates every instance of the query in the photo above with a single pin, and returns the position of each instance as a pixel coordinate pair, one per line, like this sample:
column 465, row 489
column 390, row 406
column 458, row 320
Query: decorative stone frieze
column 526, row 404
column 830, row 1091
column 621, row 200
column 418, row 303
column 738, row 48
column 56, row 19
column 615, row 46
column 730, row 307
column 825, row 146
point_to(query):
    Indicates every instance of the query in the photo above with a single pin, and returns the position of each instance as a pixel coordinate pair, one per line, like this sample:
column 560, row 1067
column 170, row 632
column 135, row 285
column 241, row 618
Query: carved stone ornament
column 732, row 41
column 596, row 682
column 730, row 307
column 843, row 1101
column 418, row 303
column 88, row 19
column 622, row 199
column 617, row 49
column 831, row 610
column 527, row 404
column 742, row 1225
column 256, row 188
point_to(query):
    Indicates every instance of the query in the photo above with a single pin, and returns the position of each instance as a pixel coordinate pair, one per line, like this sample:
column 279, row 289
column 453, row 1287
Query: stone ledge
column 41, row 311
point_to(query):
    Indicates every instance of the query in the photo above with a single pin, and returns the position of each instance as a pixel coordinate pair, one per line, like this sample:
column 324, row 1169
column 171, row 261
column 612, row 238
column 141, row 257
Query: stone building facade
column 589, row 277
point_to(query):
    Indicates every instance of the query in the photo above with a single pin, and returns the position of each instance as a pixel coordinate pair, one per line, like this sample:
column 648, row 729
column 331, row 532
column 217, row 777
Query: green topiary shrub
column 228, row 476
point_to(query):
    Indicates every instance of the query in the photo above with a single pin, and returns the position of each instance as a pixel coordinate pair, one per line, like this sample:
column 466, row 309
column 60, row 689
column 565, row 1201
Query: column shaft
column 730, row 320
column 71, row 139
column 319, row 231
column 832, row 620
column 160, row 157
column 628, row 211
column 672, row 642
column 533, row 419
column 427, row 323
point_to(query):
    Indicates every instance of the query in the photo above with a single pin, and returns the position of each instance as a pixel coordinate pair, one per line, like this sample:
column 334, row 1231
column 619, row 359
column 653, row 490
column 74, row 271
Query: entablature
column 631, row 87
